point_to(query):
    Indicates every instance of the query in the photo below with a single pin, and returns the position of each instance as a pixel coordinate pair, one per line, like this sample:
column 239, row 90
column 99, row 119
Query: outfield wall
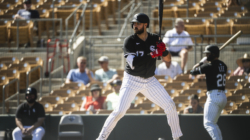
column 147, row 127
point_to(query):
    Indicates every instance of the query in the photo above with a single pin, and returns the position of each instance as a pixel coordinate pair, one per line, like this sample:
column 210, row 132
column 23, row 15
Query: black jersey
column 144, row 64
column 29, row 115
column 215, row 74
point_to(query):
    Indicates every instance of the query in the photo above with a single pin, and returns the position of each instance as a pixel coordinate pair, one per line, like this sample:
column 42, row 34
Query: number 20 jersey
column 215, row 74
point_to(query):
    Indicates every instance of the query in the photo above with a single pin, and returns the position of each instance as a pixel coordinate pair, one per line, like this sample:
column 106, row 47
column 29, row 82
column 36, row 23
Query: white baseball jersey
column 154, row 91
column 216, row 101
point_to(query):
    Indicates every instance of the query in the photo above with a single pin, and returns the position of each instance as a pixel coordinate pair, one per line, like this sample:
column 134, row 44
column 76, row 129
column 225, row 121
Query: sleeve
column 189, row 40
column 41, row 112
column 92, row 75
column 69, row 76
column 201, row 69
column 97, row 77
column 19, row 12
column 19, row 112
column 178, row 68
column 129, row 53
column 166, row 39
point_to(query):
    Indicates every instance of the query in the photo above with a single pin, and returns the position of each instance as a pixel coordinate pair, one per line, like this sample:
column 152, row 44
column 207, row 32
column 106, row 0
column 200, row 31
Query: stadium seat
column 182, row 12
column 172, row 92
column 245, row 105
column 241, row 111
column 12, row 2
column 56, row 2
column 241, row 24
column 103, row 14
column 196, row 27
column 33, row 62
column 230, row 106
column 25, row 32
column 3, row 66
column 52, row 100
column 96, row 19
column 224, row 112
column 71, row 127
column 136, row 111
column 246, row 85
column 229, row 14
column 66, row 107
column 11, row 11
column 85, row 92
column 189, row 92
column 184, row 78
column 146, row 106
column 202, row 99
column 239, row 9
column 241, row 79
column 167, row 13
column 161, row 111
column 8, row 60
column 63, row 93
column 106, row 92
column 47, row 106
column 103, row 111
column 180, row 106
column 223, row 28
column 178, row 85
column 3, row 7
column 87, row 112
column 76, row 99
column 173, row 2
column 120, row 72
column 11, row 74
column 233, row 85
column 238, row 99
column 23, row 68
column 73, row 86
column 198, row 85
column 244, row 91
column 185, row 99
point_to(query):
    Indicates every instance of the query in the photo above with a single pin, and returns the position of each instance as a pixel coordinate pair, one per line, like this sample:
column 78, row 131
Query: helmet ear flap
column 132, row 25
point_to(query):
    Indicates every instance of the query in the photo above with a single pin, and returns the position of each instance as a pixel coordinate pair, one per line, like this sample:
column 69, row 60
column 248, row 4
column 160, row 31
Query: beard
column 137, row 31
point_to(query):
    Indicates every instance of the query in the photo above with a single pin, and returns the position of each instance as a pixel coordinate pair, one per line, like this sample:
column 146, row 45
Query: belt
column 216, row 90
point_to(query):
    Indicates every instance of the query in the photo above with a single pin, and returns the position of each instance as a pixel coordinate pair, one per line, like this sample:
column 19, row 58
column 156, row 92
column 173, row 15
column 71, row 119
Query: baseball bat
column 160, row 14
column 231, row 39
column 204, row 59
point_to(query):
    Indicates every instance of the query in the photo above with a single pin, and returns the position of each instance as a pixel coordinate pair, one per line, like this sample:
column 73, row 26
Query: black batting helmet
column 30, row 91
column 140, row 18
column 213, row 50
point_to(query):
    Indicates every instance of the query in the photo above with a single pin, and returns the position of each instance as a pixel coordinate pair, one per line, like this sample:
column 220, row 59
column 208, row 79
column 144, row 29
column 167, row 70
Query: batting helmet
column 30, row 91
column 140, row 18
column 213, row 50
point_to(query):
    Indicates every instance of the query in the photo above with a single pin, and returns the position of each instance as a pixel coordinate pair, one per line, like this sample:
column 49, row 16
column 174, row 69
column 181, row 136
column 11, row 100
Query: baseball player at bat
column 141, row 51
column 215, row 71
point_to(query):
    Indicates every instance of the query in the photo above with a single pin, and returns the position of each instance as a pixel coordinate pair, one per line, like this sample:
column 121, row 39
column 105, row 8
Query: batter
column 215, row 72
column 141, row 51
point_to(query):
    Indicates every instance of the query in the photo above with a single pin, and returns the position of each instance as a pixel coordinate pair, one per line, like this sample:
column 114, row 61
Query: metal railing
column 131, row 11
column 54, row 72
column 36, row 82
column 73, row 14
column 33, row 20
column 17, row 94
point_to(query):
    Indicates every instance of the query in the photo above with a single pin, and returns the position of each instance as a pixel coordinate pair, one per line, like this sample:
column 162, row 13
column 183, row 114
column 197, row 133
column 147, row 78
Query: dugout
column 146, row 127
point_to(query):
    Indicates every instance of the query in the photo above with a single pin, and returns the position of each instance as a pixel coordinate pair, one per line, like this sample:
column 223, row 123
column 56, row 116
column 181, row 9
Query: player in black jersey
column 141, row 51
column 215, row 72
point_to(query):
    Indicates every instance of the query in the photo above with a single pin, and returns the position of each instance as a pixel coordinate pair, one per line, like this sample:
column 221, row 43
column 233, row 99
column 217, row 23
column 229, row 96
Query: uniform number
column 221, row 80
column 139, row 53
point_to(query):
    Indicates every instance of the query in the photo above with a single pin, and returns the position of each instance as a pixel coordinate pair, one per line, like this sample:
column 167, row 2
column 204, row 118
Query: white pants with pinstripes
column 154, row 91
column 216, row 101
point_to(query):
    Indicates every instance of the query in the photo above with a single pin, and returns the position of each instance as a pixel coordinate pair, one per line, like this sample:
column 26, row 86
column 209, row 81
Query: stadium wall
column 147, row 127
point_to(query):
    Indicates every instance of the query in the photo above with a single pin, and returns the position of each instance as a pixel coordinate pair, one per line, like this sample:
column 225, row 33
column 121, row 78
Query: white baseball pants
column 37, row 134
column 216, row 101
column 150, row 88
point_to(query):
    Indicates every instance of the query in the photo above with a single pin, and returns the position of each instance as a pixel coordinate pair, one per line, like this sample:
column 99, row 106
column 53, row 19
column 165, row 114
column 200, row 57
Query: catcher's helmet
column 213, row 50
column 140, row 18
